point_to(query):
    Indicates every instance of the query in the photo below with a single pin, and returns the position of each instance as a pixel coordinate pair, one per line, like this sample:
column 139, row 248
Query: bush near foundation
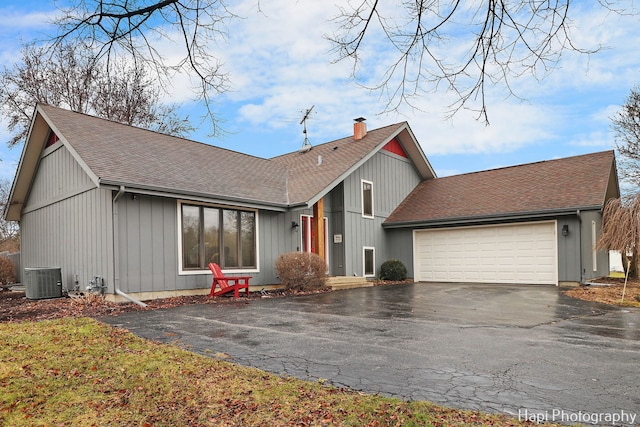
column 393, row 270
column 7, row 271
column 301, row 271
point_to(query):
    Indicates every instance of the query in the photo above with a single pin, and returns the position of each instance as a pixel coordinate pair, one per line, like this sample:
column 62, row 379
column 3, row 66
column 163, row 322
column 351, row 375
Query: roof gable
column 118, row 154
column 313, row 173
column 568, row 184
column 113, row 155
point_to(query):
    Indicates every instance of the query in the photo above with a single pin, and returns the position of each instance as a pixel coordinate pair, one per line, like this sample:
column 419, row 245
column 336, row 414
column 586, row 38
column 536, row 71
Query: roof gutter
column 487, row 219
column 162, row 192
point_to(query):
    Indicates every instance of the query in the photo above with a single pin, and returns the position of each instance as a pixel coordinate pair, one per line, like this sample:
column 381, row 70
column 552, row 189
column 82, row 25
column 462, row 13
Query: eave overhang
column 411, row 147
column 491, row 219
column 193, row 196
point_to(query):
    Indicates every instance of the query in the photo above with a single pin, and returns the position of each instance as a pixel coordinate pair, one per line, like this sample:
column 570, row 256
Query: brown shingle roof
column 563, row 184
column 118, row 154
column 312, row 171
column 125, row 155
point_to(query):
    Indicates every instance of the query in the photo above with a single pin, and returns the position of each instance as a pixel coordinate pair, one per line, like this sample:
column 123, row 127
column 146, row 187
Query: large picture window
column 224, row 236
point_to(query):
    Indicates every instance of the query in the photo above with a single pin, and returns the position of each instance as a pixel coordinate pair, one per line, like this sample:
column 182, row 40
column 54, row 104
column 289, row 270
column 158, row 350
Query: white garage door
column 518, row 253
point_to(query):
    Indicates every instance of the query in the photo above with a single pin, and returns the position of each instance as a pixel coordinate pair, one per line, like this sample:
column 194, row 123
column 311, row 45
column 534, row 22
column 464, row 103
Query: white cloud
column 513, row 126
column 12, row 19
column 280, row 64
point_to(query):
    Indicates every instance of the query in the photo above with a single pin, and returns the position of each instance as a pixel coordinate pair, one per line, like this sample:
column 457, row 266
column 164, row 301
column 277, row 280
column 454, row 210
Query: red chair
column 227, row 283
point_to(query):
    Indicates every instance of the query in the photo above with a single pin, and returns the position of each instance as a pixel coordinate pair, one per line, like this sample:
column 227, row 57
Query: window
column 369, row 261
column 224, row 236
column 367, row 199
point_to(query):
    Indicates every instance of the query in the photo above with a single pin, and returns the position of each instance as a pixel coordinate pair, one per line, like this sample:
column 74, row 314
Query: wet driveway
column 522, row 350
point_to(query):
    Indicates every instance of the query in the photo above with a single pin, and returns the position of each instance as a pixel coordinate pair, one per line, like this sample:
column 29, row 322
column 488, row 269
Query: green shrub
column 301, row 271
column 7, row 271
column 393, row 270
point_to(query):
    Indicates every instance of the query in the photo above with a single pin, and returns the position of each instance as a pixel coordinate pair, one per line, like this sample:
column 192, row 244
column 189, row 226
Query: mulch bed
column 15, row 307
column 609, row 290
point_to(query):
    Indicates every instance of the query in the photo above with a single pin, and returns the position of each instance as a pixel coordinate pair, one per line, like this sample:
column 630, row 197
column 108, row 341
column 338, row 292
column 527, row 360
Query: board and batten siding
column 148, row 252
column 591, row 226
column 147, row 246
column 393, row 178
column 66, row 222
column 276, row 236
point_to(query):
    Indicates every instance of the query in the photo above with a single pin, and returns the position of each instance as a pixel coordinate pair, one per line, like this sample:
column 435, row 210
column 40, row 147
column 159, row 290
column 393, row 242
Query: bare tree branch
column 504, row 40
column 134, row 29
column 626, row 126
column 621, row 230
column 72, row 78
column 9, row 230
column 507, row 39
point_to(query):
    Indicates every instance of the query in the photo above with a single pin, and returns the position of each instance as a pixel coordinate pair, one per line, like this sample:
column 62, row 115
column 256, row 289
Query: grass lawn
column 79, row 372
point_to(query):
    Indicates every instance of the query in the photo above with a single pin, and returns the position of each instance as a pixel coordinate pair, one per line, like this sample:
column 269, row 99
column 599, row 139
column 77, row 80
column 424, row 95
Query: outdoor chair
column 227, row 283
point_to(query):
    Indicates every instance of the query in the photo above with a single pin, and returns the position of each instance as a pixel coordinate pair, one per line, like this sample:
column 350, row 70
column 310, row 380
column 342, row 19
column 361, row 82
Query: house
column 146, row 212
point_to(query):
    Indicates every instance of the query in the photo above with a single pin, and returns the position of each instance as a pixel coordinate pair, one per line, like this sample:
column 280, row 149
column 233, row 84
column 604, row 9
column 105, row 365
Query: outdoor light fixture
column 565, row 230
column 294, row 225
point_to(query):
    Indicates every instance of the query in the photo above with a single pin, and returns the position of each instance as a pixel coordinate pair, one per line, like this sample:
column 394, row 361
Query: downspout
column 130, row 298
column 118, row 194
column 116, row 247
column 580, row 245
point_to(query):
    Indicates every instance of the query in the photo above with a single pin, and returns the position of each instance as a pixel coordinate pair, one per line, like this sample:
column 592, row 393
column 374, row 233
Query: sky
column 280, row 64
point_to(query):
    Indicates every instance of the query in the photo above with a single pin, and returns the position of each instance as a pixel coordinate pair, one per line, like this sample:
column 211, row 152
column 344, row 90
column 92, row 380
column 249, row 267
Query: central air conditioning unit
column 43, row 283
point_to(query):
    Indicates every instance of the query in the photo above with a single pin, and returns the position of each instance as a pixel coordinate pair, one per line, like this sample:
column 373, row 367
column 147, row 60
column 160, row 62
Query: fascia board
column 83, row 165
column 353, row 168
column 417, row 156
column 488, row 219
column 28, row 164
column 197, row 197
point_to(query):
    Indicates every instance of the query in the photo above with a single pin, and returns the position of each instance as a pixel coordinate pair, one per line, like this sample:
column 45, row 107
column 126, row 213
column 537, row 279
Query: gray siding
column 400, row 244
column 66, row 222
column 148, row 246
column 393, row 178
column 602, row 257
column 569, row 261
column 276, row 236
column 336, row 216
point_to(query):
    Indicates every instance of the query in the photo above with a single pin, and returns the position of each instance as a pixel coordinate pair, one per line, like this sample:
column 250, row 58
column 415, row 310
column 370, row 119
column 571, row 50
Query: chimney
column 359, row 128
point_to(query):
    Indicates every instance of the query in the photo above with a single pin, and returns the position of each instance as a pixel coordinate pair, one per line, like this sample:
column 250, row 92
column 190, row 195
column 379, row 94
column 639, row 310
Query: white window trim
column 362, row 183
column 181, row 271
column 364, row 251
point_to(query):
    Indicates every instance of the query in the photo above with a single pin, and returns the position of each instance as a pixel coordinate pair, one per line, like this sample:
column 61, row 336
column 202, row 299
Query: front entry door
column 308, row 237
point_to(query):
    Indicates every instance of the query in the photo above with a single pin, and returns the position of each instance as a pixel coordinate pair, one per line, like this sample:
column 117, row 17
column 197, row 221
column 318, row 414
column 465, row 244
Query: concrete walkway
column 528, row 351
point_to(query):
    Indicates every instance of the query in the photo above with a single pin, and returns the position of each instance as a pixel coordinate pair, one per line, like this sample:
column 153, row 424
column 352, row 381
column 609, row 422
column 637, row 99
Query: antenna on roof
column 306, row 145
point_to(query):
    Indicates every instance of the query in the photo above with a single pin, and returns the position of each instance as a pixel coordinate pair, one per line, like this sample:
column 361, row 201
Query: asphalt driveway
column 529, row 351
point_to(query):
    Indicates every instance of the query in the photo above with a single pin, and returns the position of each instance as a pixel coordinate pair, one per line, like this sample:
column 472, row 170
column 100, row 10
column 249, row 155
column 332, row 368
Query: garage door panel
column 517, row 253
